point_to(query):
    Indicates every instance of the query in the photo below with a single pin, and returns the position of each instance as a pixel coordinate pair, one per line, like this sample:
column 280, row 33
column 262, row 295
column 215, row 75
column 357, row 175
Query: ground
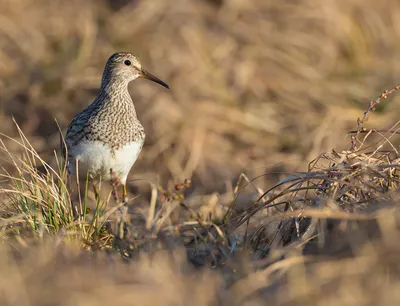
column 249, row 190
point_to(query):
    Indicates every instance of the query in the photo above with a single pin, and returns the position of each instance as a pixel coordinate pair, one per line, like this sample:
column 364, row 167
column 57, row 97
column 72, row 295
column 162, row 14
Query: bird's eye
column 127, row 62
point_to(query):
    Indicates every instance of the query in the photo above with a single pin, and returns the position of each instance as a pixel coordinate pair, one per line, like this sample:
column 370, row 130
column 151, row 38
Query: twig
column 371, row 107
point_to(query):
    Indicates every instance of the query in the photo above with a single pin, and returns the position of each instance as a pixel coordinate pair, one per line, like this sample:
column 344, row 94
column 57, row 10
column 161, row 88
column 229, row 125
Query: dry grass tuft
column 38, row 200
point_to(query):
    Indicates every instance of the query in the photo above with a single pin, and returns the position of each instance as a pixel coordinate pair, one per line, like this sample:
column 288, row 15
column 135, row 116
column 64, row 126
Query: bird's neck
column 111, row 82
column 115, row 92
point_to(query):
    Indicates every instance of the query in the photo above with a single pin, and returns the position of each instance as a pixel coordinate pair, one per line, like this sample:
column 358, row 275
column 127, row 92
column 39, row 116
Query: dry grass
column 249, row 80
column 259, row 88
column 291, row 246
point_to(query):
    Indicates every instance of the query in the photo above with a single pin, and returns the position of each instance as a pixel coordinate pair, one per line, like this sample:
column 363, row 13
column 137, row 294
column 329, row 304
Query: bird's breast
column 98, row 160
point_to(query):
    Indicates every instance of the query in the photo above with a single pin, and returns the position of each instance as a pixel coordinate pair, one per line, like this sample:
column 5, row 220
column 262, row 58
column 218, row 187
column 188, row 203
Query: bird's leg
column 122, row 210
column 96, row 192
column 124, row 193
column 115, row 182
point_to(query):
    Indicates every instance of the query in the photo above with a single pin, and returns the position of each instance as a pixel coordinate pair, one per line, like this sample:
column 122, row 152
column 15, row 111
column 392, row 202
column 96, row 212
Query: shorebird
column 104, row 140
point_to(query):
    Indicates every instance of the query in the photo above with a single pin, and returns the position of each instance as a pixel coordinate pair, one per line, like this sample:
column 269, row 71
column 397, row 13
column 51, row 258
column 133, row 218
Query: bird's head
column 124, row 67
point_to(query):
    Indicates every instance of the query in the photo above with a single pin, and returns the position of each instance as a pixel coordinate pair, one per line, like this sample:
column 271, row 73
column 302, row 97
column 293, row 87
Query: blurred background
column 257, row 86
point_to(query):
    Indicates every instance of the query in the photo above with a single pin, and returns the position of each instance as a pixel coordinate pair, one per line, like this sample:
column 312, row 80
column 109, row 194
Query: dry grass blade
column 38, row 194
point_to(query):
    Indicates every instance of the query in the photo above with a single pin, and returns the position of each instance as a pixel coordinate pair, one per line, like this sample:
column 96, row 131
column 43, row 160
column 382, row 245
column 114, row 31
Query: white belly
column 95, row 159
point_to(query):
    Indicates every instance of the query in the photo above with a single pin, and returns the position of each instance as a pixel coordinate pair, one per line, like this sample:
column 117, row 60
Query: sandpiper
column 104, row 140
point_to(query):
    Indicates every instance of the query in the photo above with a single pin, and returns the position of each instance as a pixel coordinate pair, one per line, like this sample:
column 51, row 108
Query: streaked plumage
column 107, row 136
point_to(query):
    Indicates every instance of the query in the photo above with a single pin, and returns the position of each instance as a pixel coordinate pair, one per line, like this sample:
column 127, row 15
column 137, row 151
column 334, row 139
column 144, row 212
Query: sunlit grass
column 41, row 199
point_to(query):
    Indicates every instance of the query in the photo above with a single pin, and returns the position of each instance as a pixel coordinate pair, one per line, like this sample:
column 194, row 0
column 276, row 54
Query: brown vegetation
column 258, row 90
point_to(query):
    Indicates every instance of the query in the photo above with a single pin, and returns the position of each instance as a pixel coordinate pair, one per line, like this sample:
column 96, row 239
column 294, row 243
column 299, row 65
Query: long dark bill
column 149, row 76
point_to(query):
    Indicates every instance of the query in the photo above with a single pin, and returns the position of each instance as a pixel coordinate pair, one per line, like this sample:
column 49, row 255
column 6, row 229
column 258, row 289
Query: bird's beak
column 147, row 75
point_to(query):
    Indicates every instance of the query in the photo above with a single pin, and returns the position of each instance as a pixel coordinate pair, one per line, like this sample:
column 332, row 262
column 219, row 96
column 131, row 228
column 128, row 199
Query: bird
column 104, row 140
